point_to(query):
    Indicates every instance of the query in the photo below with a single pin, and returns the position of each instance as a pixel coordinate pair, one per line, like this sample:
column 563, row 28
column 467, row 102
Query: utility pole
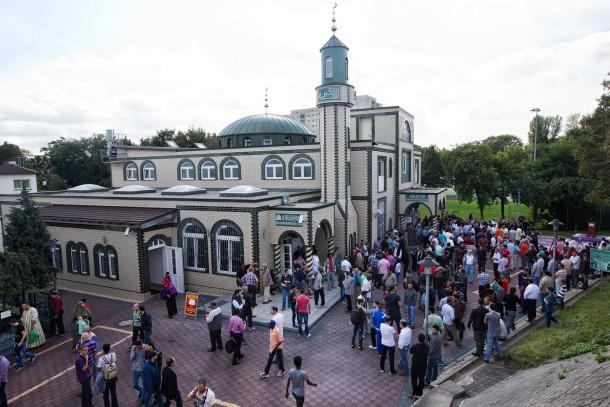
column 535, row 110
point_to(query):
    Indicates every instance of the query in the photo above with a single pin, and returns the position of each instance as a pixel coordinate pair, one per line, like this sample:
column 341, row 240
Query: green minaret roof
column 334, row 42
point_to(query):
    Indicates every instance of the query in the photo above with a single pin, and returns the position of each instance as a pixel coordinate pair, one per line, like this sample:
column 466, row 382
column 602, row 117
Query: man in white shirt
column 387, row 344
column 448, row 314
column 531, row 294
column 346, row 265
column 404, row 343
column 575, row 260
column 278, row 317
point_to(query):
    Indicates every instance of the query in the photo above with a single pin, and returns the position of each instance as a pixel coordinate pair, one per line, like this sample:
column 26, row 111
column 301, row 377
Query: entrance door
column 286, row 257
column 172, row 257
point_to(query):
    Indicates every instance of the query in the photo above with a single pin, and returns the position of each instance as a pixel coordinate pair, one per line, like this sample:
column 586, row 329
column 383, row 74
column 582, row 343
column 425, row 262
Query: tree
column 509, row 165
column 472, row 174
column 9, row 152
column 594, row 148
column 185, row 139
column 432, row 169
column 27, row 235
column 549, row 129
column 160, row 139
column 502, row 142
column 15, row 276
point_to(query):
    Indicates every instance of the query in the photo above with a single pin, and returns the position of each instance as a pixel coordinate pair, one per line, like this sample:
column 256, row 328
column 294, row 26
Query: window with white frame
column 329, row 67
column 274, row 169
column 230, row 170
column 131, row 172
column 208, row 170
column 113, row 272
column 302, row 169
column 229, row 256
column 247, row 142
column 267, row 141
column 406, row 131
column 381, row 175
column 56, row 255
column 187, row 171
column 287, row 140
column 83, row 259
column 101, row 262
column 21, row 183
column 416, row 171
column 73, row 259
column 149, row 172
column 405, row 175
column 194, row 245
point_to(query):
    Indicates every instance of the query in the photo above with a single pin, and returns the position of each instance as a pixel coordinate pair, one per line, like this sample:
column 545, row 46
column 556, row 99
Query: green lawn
column 583, row 327
column 463, row 209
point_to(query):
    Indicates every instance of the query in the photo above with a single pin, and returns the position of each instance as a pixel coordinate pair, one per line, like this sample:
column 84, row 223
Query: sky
column 466, row 70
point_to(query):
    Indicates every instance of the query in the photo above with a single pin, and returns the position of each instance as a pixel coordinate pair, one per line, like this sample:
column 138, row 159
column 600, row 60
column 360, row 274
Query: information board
column 190, row 304
column 546, row 241
column 288, row 219
column 600, row 260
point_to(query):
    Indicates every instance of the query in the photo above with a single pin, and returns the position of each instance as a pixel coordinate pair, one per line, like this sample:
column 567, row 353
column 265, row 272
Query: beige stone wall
column 385, row 129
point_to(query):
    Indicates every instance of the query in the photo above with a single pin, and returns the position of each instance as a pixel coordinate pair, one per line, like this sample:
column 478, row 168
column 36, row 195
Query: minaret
column 335, row 97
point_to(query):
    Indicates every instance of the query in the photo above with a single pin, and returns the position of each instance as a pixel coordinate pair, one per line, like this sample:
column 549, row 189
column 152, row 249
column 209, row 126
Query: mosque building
column 273, row 185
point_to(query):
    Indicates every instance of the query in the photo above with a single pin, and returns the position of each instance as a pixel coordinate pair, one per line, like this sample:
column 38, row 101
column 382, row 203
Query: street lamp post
column 535, row 110
column 555, row 223
column 428, row 263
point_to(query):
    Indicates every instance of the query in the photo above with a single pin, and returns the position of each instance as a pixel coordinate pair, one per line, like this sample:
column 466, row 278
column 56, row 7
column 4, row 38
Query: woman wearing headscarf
column 79, row 311
column 30, row 321
column 170, row 295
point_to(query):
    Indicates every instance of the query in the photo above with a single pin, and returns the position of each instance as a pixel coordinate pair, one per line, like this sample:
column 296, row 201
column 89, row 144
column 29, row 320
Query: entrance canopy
column 434, row 198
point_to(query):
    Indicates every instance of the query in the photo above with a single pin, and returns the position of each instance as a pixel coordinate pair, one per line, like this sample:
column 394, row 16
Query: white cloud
column 465, row 70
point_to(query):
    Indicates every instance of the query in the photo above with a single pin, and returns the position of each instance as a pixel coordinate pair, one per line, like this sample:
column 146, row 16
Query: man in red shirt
column 303, row 307
column 57, row 308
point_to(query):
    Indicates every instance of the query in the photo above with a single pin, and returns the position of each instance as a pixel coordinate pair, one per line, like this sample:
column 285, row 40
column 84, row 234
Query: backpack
column 110, row 369
column 355, row 317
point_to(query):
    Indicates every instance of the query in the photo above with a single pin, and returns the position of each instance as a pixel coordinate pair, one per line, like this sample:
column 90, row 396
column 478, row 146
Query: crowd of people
column 472, row 257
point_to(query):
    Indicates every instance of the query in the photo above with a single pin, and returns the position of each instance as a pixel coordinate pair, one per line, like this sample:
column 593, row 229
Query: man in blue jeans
column 138, row 357
column 303, row 307
column 21, row 344
column 434, row 355
column 404, row 343
column 410, row 304
column 285, row 282
column 492, row 320
column 358, row 322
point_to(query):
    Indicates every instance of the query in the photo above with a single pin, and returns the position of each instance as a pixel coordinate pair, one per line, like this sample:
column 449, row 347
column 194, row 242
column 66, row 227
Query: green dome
column 265, row 124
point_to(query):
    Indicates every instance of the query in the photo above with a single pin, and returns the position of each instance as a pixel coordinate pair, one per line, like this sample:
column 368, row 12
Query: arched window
column 83, row 258
column 113, row 263
column 187, row 171
column 274, row 169
column 287, row 140
column 247, row 142
column 99, row 261
column 229, row 142
column 131, row 172
column 346, row 69
column 329, row 68
column 267, row 141
column 72, row 257
column 230, row 170
column 208, row 170
column 193, row 239
column 406, row 131
column 149, row 172
column 302, row 169
column 229, row 254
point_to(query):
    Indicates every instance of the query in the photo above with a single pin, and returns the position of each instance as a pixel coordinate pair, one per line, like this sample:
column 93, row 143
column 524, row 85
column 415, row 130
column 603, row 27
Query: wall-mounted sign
column 417, row 197
column 288, row 219
column 329, row 94
column 600, row 260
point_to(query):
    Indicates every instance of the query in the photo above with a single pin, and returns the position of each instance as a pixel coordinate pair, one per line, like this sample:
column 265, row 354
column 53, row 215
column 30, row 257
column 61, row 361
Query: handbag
column 33, row 336
column 230, row 345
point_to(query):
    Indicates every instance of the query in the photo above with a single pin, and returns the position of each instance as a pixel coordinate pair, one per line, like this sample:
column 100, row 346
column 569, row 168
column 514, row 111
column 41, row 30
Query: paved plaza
column 345, row 376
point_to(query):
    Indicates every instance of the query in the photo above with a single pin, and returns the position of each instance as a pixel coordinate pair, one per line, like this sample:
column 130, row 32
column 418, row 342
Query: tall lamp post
column 555, row 223
column 535, row 110
column 428, row 263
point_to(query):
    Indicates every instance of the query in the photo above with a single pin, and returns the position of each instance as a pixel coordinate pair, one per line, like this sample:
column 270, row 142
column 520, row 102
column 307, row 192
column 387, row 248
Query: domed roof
column 183, row 190
column 244, row 191
column 265, row 124
column 134, row 189
column 88, row 188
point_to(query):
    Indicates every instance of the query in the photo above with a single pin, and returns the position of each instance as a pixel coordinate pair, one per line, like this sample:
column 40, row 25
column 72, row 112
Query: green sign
column 329, row 94
column 417, row 197
column 288, row 219
column 600, row 260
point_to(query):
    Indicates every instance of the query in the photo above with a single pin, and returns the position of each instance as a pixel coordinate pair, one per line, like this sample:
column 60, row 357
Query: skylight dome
column 183, row 190
column 88, row 188
column 244, row 191
column 134, row 189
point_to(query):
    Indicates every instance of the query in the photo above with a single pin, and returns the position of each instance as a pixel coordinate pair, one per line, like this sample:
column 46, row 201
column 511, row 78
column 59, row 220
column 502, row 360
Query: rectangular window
column 74, row 259
column 21, row 183
column 416, row 172
column 55, row 259
column 381, row 174
column 111, row 265
column 267, row 141
column 101, row 263
column 406, row 166
column 84, row 266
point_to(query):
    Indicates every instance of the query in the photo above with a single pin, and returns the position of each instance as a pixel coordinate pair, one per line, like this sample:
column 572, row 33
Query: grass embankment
column 463, row 209
column 583, row 327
